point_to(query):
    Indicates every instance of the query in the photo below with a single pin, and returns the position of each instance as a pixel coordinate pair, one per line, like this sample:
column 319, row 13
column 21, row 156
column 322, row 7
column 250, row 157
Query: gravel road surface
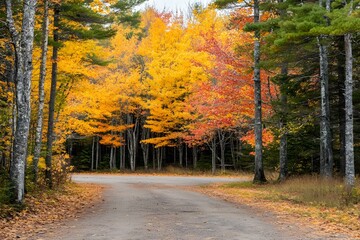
column 160, row 208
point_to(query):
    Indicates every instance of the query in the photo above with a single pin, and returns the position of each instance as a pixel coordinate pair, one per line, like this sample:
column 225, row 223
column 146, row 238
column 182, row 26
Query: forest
column 97, row 85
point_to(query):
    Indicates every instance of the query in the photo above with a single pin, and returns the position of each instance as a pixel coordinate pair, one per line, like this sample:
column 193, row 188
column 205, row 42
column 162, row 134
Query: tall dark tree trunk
column 195, row 156
column 213, row 155
column 40, row 112
column 97, row 159
column 259, row 169
column 186, row 156
column 154, row 157
column 283, row 128
column 326, row 153
column 92, row 154
column 159, row 158
column 232, row 150
column 181, row 153
column 23, row 45
column 54, row 68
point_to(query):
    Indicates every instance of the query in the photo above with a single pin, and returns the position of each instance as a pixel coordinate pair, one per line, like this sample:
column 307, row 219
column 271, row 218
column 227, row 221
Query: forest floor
column 44, row 211
column 309, row 201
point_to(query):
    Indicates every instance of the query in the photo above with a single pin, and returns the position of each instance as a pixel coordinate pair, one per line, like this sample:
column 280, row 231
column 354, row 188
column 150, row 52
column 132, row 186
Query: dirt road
column 158, row 207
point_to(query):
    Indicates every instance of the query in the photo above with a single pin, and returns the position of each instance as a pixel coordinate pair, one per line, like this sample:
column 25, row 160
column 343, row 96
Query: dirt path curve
column 157, row 208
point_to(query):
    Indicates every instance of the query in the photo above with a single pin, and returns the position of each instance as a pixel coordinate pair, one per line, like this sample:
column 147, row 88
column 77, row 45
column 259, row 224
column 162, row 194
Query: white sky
column 173, row 5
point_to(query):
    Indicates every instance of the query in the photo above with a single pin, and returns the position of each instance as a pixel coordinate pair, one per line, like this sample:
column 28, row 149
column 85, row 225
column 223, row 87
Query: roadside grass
column 319, row 202
column 308, row 190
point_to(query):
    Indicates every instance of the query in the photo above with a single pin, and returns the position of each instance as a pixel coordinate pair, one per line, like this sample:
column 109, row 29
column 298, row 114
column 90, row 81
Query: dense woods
column 95, row 85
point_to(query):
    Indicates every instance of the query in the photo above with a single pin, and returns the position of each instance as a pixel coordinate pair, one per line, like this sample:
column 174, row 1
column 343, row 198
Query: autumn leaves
column 183, row 83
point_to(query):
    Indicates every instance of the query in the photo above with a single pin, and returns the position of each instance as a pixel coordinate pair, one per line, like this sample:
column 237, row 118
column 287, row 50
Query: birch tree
column 23, row 45
column 326, row 154
column 348, row 94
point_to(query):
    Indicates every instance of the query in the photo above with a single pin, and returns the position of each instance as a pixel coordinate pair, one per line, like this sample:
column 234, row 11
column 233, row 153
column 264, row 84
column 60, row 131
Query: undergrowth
column 309, row 190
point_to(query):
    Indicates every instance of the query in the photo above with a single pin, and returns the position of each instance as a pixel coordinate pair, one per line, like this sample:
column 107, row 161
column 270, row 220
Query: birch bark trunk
column 133, row 136
column 23, row 45
column 349, row 131
column 326, row 154
column 145, row 147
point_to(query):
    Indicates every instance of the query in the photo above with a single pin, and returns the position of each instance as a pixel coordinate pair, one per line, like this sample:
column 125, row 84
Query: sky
column 172, row 5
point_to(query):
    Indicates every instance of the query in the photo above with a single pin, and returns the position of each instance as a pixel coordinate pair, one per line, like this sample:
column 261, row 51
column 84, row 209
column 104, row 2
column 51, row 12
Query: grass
column 325, row 204
column 308, row 190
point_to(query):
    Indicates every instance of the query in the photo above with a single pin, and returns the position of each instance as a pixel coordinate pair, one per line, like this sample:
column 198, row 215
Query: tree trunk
column 283, row 128
column 221, row 136
column 23, row 47
column 349, row 131
column 145, row 147
column 122, row 152
column 133, row 136
column 326, row 157
column 326, row 154
column 259, row 170
column 111, row 158
column 195, row 157
column 158, row 157
column 92, row 154
column 232, row 150
column 97, row 153
column 181, row 152
column 50, row 131
column 186, row 156
column 213, row 155
column 154, row 157
column 341, row 105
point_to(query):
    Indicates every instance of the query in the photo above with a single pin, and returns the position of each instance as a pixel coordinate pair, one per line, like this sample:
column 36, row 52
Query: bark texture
column 133, row 137
column 40, row 111
column 349, row 131
column 54, row 67
column 23, row 45
column 259, row 170
column 283, row 128
column 326, row 153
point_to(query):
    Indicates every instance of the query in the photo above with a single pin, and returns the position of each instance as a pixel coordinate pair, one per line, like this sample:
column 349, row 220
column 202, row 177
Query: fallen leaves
column 323, row 221
column 45, row 212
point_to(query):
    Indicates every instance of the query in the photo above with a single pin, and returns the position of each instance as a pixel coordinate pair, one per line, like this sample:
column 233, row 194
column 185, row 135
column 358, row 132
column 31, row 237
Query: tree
column 326, row 155
column 23, row 45
column 78, row 12
column 39, row 124
column 348, row 93
column 259, row 169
